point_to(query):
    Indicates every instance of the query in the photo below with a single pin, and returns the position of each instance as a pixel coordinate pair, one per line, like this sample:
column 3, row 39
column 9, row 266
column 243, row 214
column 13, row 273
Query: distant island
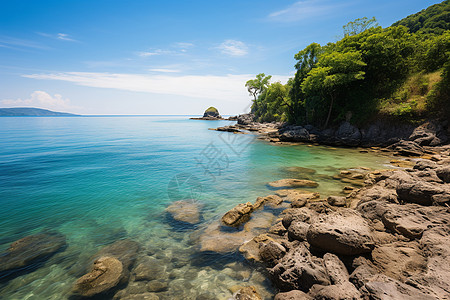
column 31, row 111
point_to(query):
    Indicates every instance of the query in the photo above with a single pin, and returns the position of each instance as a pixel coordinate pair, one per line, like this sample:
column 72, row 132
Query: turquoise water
column 101, row 179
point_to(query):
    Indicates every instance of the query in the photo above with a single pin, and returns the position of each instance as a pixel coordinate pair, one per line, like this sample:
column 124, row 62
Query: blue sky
column 163, row 57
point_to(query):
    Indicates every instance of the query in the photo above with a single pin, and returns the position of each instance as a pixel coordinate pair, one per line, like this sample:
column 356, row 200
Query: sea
column 101, row 179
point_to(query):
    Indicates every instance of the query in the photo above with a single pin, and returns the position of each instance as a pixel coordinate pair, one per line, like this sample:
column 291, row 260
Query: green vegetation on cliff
column 397, row 72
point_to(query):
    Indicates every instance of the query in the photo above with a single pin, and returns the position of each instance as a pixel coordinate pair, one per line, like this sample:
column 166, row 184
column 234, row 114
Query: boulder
column 292, row 183
column 149, row 268
column 298, row 230
column 344, row 232
column 399, row 260
column 124, row 250
column 271, row 252
column 337, row 201
column 106, row 273
column 343, row 291
column 293, row 295
column 383, row 287
column 419, row 192
column 294, row 134
column 251, row 249
column 407, row 148
column 186, row 211
column 271, row 200
column 444, row 173
column 348, row 135
column 29, row 251
column 245, row 119
column 299, row 270
column 238, row 215
column 336, row 269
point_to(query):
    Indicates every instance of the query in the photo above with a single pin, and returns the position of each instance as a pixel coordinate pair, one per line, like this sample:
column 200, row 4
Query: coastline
column 388, row 238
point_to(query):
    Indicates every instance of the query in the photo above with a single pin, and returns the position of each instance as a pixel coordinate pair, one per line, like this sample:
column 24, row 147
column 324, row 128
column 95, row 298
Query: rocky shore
column 388, row 239
column 378, row 134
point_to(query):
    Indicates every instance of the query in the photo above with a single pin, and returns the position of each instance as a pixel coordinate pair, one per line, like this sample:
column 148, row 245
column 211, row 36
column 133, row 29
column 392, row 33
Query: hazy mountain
column 30, row 111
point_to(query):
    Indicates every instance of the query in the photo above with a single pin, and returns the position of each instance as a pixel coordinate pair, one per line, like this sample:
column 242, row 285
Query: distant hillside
column 30, row 111
column 434, row 19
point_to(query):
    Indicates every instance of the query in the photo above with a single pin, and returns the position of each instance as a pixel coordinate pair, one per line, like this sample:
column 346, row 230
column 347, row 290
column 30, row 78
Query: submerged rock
column 106, row 273
column 30, row 250
column 247, row 293
column 292, row 183
column 186, row 211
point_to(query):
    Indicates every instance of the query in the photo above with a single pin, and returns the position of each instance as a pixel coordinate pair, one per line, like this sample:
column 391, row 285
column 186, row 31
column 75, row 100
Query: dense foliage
column 434, row 19
column 370, row 71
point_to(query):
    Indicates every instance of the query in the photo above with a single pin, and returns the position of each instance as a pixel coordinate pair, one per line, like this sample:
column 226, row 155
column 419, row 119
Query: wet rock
column 149, row 268
column 213, row 239
column 238, row 215
column 187, row 211
column 271, row 252
column 251, row 249
column 271, row 200
column 292, row 183
column 337, row 201
column 300, row 170
column 157, row 286
column 247, row 293
column 342, row 291
column 344, row 232
column 124, row 250
column 144, row 296
column 291, row 195
column 298, row 203
column 299, row 270
column 29, row 251
column 106, row 273
column 293, row 295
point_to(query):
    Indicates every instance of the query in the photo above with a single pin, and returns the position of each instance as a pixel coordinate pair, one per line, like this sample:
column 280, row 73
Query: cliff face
column 211, row 112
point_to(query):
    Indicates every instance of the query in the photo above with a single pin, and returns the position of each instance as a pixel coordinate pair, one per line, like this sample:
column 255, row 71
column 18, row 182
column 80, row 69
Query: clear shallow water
column 101, row 179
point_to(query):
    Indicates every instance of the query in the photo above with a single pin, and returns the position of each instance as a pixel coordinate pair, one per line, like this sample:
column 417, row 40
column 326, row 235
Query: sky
column 144, row 57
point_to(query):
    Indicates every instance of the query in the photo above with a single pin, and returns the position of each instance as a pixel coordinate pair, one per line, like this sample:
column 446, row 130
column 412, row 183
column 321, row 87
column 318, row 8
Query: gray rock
column 271, row 252
column 424, row 164
column 336, row 269
column 344, row 232
column 343, row 291
column 294, row 134
column 245, row 119
column 293, row 295
column 418, row 192
column 211, row 112
column 407, row 148
column 238, row 215
column 337, row 201
column 383, row 287
column 348, row 134
column 298, row 230
column 444, row 173
column 299, row 270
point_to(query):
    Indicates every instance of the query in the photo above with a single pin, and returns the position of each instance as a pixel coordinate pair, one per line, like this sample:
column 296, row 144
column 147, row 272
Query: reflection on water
column 97, row 180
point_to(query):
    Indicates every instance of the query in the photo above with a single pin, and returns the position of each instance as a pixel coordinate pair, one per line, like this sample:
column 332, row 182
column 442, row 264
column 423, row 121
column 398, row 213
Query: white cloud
column 184, row 45
column 163, row 70
column 233, row 48
column 307, row 9
column 15, row 43
column 64, row 37
column 225, row 88
column 58, row 36
column 40, row 99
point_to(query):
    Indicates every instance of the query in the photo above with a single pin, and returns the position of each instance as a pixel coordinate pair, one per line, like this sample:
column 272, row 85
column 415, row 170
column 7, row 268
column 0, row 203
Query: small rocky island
column 212, row 114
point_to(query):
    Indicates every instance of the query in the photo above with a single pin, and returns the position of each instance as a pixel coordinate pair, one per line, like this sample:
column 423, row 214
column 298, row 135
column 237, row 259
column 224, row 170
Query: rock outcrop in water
column 29, row 252
column 185, row 211
column 110, row 269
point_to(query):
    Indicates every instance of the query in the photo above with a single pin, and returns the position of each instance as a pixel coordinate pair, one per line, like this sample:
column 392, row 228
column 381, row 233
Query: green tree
column 256, row 86
column 333, row 74
column 359, row 25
